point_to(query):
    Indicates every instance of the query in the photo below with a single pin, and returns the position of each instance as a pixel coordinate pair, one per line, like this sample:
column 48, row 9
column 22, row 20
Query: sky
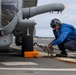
column 68, row 16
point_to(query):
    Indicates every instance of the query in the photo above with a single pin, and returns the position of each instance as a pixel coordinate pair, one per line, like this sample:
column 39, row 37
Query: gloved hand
column 49, row 46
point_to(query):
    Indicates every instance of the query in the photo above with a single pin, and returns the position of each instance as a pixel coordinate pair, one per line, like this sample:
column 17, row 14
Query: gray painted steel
column 19, row 24
column 11, row 26
column 29, row 3
column 30, row 12
column 25, row 25
column 0, row 14
column 5, row 41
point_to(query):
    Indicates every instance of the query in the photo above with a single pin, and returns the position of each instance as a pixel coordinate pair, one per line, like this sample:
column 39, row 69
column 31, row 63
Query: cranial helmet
column 55, row 22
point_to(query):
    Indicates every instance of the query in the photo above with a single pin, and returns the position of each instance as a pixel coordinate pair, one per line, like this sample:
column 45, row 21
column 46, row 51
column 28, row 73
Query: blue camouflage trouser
column 70, row 45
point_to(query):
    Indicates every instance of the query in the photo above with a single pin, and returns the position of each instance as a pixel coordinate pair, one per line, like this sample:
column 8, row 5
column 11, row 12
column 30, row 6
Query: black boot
column 62, row 54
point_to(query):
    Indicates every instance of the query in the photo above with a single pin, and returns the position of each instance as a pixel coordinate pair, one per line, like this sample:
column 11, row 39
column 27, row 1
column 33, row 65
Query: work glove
column 49, row 46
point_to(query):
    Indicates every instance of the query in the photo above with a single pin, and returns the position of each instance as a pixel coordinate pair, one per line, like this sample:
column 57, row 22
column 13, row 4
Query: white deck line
column 18, row 63
column 39, row 69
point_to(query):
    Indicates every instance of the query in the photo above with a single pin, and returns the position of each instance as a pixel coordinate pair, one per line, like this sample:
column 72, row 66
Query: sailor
column 65, row 37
